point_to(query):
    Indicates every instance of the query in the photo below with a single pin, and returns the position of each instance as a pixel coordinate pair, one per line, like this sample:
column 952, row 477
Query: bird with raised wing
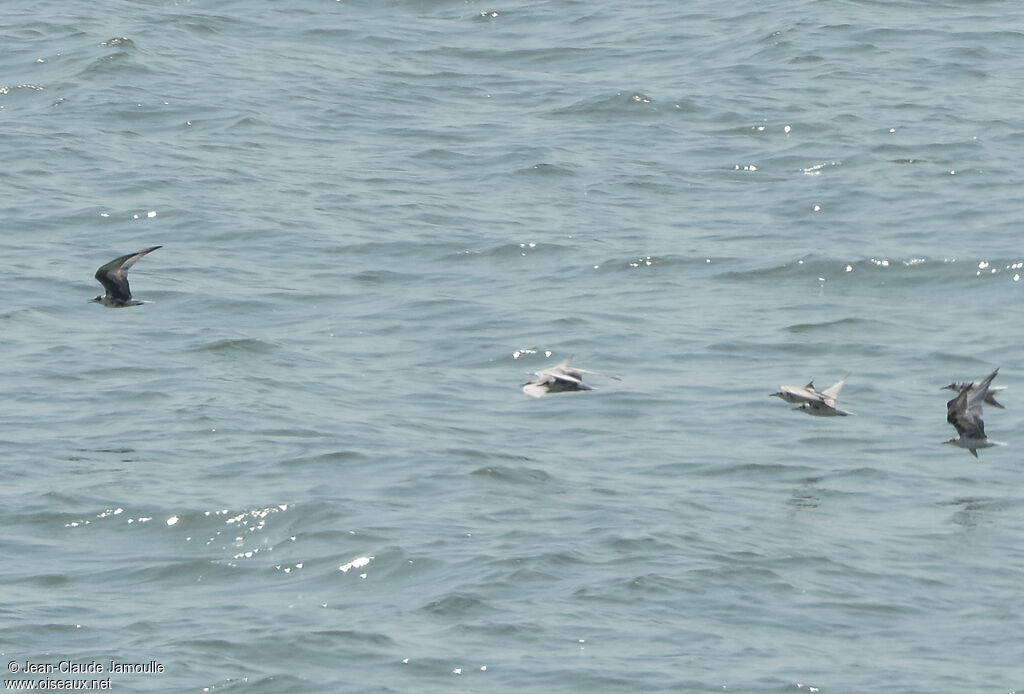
column 813, row 401
column 964, row 413
column 114, row 278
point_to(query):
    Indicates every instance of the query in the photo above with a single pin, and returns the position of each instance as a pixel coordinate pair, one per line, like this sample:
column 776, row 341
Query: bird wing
column 114, row 279
column 114, row 275
column 561, row 371
column 559, row 378
column 964, row 411
column 570, row 376
column 832, row 392
column 579, row 372
column 967, row 422
column 990, row 396
column 535, row 389
column 976, row 395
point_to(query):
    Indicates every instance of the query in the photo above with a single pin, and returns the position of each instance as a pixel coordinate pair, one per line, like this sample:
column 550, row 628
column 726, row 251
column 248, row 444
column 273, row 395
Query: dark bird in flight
column 114, row 278
column 964, row 413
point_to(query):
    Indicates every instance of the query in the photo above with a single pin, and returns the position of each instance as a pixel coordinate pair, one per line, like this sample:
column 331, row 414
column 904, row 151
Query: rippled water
column 307, row 465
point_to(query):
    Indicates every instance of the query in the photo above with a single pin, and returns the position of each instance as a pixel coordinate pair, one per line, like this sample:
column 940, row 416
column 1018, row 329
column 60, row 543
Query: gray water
column 307, row 465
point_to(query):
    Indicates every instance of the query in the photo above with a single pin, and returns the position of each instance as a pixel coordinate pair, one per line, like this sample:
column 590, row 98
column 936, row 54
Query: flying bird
column 964, row 413
column 813, row 401
column 114, row 278
column 558, row 379
column 795, row 394
column 990, row 398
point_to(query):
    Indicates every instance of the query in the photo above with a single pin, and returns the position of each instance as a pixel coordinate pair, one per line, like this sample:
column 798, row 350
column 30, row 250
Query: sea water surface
column 306, row 465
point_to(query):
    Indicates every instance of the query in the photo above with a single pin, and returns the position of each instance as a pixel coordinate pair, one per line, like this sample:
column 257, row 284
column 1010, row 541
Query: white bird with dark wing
column 812, row 401
column 964, row 413
column 114, row 278
column 558, row 379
